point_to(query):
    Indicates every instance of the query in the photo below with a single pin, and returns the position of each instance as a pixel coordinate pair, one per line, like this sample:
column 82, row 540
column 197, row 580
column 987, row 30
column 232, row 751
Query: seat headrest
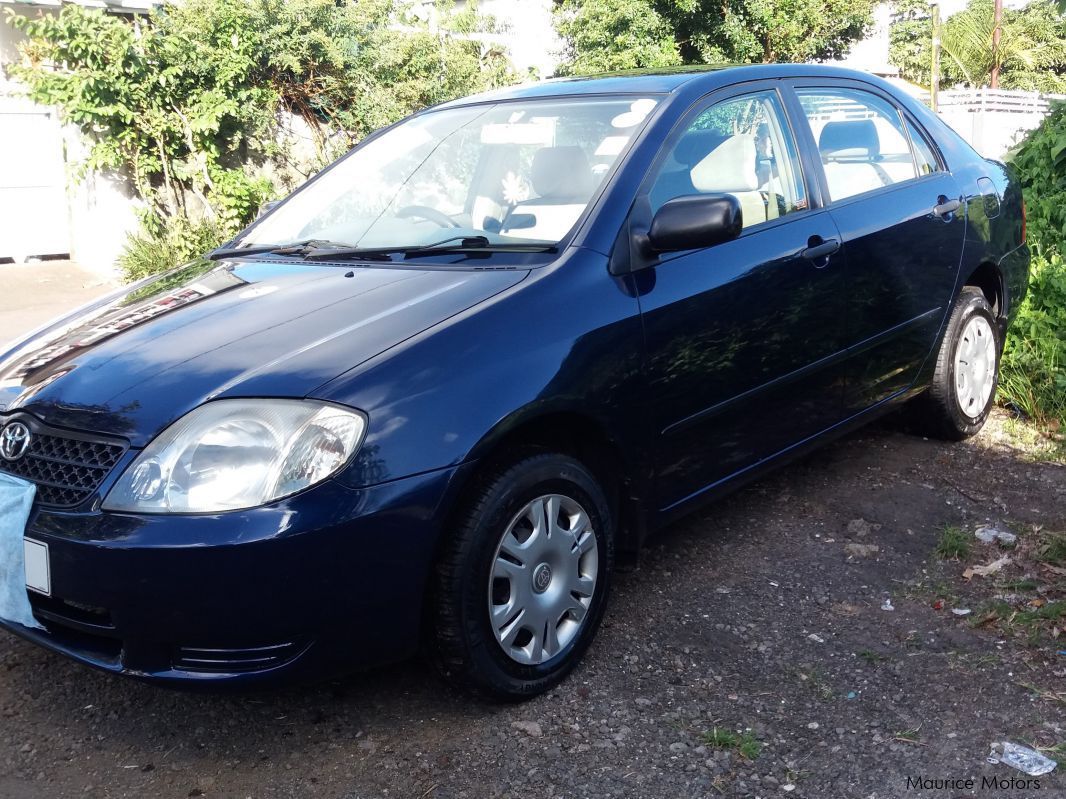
column 730, row 167
column 561, row 173
column 694, row 146
column 849, row 139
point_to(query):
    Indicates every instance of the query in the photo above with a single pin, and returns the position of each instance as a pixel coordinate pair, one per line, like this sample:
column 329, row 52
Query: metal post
column 934, row 68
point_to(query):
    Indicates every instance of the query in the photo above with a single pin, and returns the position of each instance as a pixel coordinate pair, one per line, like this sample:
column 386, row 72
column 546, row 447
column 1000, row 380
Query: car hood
column 140, row 358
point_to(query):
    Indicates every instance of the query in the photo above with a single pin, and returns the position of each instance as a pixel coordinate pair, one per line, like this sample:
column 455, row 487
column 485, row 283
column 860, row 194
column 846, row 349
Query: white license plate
column 38, row 571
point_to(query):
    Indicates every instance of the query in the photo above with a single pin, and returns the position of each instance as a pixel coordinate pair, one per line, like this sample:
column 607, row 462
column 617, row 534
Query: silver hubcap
column 975, row 366
column 543, row 579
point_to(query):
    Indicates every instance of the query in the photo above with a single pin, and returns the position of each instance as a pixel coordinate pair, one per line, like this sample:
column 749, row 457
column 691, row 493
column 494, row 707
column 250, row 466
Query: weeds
column 953, row 543
column 1053, row 549
column 816, row 680
column 1056, row 753
column 744, row 744
column 871, row 657
column 909, row 736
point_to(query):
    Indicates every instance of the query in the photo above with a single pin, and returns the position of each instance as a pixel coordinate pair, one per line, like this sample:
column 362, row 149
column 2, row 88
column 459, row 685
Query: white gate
column 34, row 212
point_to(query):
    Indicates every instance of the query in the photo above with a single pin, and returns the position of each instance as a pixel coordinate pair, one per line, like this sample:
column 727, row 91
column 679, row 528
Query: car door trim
column 892, row 332
column 800, row 373
column 781, row 380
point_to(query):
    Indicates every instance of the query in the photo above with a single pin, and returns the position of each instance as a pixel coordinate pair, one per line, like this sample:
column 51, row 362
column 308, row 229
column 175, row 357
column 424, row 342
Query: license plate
column 38, row 571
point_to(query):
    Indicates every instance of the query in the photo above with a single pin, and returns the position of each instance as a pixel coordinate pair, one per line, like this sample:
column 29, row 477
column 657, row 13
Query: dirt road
column 749, row 655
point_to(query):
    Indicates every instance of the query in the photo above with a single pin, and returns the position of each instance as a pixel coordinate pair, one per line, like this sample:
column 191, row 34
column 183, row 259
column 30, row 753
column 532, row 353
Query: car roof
column 659, row 81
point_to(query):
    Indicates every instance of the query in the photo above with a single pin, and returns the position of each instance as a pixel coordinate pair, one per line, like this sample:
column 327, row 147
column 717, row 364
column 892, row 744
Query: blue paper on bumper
column 16, row 497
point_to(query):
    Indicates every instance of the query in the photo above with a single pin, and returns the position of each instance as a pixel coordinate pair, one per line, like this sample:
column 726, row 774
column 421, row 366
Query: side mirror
column 267, row 207
column 695, row 221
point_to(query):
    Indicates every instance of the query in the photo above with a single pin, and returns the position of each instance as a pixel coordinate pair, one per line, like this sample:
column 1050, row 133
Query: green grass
column 871, row 657
column 1036, row 443
column 744, row 744
column 816, row 680
column 1056, row 753
column 909, row 736
column 1052, row 611
column 1020, row 585
column 1048, row 695
column 1032, row 623
column 1053, row 550
column 953, row 543
column 989, row 612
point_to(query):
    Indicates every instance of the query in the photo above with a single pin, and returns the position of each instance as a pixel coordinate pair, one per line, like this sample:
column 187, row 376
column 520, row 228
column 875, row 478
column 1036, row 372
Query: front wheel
column 522, row 583
column 963, row 389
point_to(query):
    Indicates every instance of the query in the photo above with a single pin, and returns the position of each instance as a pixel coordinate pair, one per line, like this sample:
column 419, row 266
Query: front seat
column 562, row 178
column 690, row 149
column 731, row 168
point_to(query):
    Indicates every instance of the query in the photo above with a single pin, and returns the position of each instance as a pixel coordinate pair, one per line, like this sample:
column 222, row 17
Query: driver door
column 745, row 339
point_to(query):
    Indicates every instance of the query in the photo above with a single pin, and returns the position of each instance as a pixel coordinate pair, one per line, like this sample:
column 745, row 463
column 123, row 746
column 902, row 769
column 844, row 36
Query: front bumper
column 325, row 582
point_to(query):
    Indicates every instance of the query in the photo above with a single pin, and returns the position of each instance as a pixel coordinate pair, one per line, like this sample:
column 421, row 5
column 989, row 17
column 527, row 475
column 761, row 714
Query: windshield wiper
column 464, row 244
column 292, row 248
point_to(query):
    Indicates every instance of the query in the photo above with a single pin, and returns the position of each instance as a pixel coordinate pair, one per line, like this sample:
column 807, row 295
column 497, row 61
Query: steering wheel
column 425, row 212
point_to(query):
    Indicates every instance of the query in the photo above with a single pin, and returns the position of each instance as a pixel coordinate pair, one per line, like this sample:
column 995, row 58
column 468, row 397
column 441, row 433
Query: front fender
column 568, row 338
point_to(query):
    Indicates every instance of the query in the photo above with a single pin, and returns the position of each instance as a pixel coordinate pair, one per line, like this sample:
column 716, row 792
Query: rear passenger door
column 902, row 227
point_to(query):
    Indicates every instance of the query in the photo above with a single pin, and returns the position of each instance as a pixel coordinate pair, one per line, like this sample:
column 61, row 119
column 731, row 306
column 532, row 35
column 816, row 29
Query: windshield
column 515, row 173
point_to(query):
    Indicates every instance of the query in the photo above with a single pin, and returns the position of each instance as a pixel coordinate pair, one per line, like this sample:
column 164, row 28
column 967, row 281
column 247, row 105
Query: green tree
column 1031, row 53
column 186, row 104
column 602, row 35
column 614, row 35
column 910, row 39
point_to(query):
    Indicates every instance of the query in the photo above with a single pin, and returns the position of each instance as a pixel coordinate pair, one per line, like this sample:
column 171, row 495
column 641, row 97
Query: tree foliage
column 609, row 36
column 186, row 102
column 1031, row 53
column 1034, row 360
column 603, row 35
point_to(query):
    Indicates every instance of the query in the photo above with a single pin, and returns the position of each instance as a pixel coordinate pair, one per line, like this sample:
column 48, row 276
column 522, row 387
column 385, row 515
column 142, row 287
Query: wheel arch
column 582, row 436
column 988, row 277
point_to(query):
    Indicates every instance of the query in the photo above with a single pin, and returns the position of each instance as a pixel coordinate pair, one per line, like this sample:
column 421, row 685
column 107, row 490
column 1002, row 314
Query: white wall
column 46, row 210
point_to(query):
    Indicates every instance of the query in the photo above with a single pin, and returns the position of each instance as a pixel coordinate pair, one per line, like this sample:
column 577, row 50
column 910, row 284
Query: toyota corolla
column 427, row 400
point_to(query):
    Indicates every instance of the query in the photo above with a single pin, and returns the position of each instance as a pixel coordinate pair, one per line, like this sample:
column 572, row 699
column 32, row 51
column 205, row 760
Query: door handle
column 816, row 251
column 945, row 207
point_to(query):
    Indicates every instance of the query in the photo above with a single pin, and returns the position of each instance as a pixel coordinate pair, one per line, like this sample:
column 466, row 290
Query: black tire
column 464, row 645
column 938, row 411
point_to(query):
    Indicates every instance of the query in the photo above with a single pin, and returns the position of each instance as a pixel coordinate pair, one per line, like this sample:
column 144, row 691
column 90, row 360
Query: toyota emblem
column 14, row 441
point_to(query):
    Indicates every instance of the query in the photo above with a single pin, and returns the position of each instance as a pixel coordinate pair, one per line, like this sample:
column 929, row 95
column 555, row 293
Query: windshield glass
column 515, row 173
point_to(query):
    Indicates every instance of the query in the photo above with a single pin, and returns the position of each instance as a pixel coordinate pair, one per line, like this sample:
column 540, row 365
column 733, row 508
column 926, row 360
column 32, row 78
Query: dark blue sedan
column 428, row 399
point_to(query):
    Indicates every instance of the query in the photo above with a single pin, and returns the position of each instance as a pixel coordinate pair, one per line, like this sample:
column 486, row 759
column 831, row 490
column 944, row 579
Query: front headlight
column 238, row 453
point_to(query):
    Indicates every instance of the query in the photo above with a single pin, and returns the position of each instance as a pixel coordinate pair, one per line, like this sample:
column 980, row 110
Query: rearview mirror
column 695, row 221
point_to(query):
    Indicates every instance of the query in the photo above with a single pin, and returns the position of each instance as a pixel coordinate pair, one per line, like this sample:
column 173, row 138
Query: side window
column 861, row 140
column 740, row 146
column 923, row 153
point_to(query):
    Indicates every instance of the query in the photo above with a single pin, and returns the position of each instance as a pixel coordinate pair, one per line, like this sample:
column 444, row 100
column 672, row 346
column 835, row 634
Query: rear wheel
column 522, row 585
column 963, row 389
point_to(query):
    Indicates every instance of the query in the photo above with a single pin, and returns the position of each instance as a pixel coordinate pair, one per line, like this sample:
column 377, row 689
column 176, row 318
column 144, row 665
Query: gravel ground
column 749, row 655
